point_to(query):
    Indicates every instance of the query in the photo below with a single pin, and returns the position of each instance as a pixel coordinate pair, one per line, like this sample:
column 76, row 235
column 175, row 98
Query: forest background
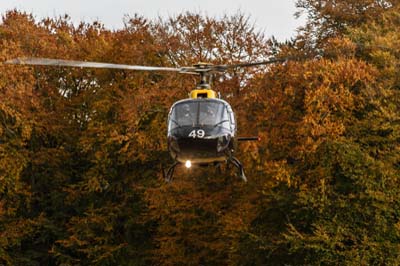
column 81, row 149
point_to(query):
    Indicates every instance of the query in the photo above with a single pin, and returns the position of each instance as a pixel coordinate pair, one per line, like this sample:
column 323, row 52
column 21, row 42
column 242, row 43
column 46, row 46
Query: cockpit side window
column 232, row 118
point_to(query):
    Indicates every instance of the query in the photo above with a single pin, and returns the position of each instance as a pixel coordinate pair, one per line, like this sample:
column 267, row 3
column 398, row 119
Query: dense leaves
column 81, row 150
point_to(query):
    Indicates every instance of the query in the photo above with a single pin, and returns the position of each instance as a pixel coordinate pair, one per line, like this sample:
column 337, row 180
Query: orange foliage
column 81, row 149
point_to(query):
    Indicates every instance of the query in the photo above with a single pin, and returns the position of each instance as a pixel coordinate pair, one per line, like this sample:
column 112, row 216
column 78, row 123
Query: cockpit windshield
column 199, row 113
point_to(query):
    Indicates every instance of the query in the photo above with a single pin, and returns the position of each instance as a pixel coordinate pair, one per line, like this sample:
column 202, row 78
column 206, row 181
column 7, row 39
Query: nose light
column 188, row 164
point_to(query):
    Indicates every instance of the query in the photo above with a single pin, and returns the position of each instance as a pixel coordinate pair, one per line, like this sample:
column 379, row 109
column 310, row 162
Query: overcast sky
column 273, row 17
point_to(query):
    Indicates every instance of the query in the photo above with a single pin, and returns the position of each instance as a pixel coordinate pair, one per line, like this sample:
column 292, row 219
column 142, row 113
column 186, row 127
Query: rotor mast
column 203, row 88
column 205, row 80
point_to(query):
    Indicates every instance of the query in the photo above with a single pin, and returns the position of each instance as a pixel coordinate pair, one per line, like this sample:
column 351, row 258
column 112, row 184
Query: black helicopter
column 201, row 128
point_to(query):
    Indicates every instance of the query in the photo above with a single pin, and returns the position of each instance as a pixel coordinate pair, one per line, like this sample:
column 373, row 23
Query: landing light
column 188, row 164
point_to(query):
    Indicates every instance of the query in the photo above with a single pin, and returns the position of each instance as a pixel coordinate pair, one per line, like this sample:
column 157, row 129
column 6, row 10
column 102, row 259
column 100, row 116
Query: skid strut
column 239, row 166
column 170, row 173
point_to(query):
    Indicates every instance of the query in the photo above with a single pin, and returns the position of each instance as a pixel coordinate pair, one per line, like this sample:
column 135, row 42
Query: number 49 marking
column 197, row 134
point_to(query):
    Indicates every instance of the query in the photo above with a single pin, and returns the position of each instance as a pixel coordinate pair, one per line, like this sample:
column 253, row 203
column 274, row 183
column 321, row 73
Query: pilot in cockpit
column 186, row 118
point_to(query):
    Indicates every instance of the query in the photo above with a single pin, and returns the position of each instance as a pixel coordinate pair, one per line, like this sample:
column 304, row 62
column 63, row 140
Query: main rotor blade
column 266, row 62
column 73, row 63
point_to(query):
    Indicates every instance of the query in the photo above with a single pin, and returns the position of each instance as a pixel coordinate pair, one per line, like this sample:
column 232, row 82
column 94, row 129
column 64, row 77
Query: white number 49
column 197, row 134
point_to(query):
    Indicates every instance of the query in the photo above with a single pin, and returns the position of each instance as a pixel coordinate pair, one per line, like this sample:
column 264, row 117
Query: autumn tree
column 200, row 216
column 333, row 18
column 332, row 146
column 69, row 146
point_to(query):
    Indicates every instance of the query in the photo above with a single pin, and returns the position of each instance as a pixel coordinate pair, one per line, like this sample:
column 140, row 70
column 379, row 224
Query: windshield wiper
column 220, row 122
column 173, row 120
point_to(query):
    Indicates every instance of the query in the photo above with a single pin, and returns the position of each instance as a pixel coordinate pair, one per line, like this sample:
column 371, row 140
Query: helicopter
column 202, row 129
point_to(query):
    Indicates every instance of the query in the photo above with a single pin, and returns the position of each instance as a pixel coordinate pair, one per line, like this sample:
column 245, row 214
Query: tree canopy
column 81, row 149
